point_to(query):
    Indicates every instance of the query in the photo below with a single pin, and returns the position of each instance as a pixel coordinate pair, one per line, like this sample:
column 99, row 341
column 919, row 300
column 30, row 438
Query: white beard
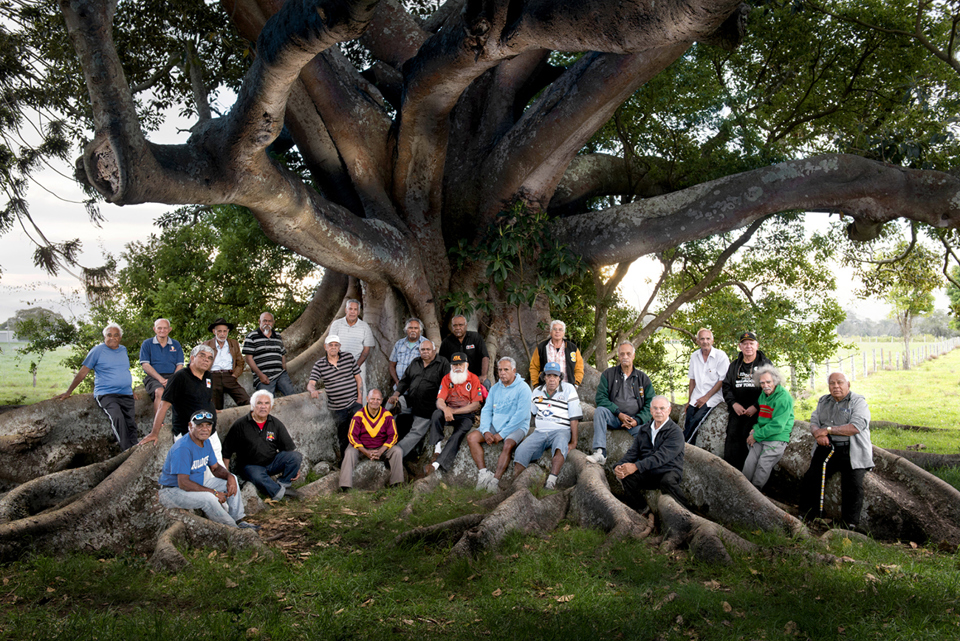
column 458, row 379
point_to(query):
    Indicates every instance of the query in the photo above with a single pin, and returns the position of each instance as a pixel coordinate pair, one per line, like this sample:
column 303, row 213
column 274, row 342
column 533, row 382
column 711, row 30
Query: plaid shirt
column 403, row 354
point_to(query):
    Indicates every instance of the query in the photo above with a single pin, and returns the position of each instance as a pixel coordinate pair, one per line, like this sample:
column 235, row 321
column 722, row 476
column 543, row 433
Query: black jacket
column 666, row 455
column 422, row 384
column 748, row 392
column 254, row 446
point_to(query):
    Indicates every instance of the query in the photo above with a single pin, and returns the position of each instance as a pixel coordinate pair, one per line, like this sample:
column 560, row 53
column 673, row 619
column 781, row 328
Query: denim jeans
column 604, row 419
column 287, row 464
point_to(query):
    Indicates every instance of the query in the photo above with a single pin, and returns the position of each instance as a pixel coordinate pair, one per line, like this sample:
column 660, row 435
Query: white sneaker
column 597, row 457
column 551, row 483
column 493, row 484
column 483, row 478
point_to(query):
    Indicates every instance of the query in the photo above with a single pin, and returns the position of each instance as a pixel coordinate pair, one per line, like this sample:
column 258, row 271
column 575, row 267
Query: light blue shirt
column 111, row 368
column 507, row 408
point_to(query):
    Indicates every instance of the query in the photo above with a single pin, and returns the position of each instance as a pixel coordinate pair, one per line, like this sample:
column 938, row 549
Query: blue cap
column 552, row 368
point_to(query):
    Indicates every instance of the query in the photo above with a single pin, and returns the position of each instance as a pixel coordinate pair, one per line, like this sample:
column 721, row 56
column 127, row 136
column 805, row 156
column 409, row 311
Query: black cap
column 220, row 321
column 747, row 336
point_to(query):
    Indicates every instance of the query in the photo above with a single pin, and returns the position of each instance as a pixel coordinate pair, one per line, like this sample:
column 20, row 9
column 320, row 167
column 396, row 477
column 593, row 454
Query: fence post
column 874, row 360
column 813, row 376
column 865, row 365
column 881, row 359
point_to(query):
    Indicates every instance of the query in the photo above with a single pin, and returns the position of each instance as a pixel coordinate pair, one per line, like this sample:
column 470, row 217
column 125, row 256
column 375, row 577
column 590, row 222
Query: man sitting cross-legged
column 505, row 417
column 557, row 408
column 263, row 448
column 372, row 434
column 182, row 484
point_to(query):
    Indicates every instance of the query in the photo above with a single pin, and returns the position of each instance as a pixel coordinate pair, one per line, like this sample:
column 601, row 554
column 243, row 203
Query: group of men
column 434, row 389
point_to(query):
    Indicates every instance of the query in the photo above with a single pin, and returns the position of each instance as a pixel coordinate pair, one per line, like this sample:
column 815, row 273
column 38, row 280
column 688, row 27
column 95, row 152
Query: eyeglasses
column 201, row 416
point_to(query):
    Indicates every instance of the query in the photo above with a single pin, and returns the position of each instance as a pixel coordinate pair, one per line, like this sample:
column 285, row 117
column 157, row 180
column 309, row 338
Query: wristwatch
column 829, row 430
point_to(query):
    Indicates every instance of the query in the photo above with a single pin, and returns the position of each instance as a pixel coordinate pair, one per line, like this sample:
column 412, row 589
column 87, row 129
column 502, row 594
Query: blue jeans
column 280, row 386
column 539, row 442
column 224, row 514
column 603, row 420
column 286, row 464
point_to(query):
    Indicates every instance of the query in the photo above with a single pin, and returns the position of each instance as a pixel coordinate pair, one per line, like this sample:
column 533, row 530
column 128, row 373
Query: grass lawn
column 338, row 575
column 16, row 381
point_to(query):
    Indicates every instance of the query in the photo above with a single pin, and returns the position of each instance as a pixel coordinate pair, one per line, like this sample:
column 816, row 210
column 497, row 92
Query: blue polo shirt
column 185, row 457
column 111, row 368
column 163, row 359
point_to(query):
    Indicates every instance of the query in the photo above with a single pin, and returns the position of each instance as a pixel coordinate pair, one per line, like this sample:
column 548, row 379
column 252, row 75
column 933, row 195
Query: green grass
column 16, row 381
column 340, row 576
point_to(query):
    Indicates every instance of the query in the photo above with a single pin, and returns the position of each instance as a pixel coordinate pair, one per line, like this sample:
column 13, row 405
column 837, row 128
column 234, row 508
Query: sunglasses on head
column 200, row 416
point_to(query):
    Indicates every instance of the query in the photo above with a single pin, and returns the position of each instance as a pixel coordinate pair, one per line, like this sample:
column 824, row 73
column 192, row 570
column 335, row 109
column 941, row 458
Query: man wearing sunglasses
column 182, row 482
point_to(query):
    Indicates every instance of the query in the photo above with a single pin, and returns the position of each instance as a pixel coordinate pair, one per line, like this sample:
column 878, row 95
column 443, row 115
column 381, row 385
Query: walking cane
column 823, row 478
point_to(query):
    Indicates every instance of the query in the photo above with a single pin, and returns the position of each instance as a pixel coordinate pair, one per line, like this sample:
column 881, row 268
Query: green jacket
column 639, row 385
column 775, row 422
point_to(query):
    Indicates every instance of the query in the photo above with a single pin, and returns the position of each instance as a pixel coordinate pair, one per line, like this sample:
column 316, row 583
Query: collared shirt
column 372, row 431
column 403, row 354
column 339, row 380
column 556, row 355
column 472, row 345
column 654, row 428
column 223, row 359
column 267, row 352
column 420, row 384
column 256, row 445
column 353, row 338
column 111, row 368
column 557, row 411
column 186, row 393
column 456, row 396
column 706, row 374
column 507, row 408
column 851, row 409
column 163, row 358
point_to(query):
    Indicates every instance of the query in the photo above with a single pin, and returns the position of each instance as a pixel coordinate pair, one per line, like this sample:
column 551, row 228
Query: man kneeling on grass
column 182, row 483
column 556, row 406
column 373, row 434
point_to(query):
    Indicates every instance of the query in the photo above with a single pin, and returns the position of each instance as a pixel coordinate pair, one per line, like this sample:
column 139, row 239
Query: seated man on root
column 556, row 406
column 263, row 448
column 623, row 401
column 841, row 425
column 458, row 401
column 419, row 384
column 655, row 460
column 769, row 438
column 182, row 483
column 373, row 435
column 505, row 417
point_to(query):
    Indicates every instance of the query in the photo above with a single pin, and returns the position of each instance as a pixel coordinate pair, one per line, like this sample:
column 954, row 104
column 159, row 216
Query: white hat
column 331, row 338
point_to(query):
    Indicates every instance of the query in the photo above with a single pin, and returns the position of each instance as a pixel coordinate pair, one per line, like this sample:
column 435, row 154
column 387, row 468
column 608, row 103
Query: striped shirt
column 353, row 338
column 267, row 353
column 339, row 380
column 555, row 412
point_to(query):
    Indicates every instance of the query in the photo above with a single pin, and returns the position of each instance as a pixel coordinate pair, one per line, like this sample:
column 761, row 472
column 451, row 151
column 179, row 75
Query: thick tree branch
column 594, row 175
column 872, row 192
column 393, row 36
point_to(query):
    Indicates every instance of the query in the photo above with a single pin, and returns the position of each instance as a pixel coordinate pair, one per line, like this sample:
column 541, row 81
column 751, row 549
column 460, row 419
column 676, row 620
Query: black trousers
column 120, row 409
column 735, row 448
column 851, row 483
column 669, row 482
column 344, row 418
column 691, row 424
column 462, row 423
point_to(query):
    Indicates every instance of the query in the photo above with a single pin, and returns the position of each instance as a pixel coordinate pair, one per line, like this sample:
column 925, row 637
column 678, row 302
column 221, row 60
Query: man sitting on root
column 458, row 401
column 556, row 406
column 372, row 434
column 655, row 460
column 769, row 438
column 263, row 448
column 505, row 417
column 182, row 481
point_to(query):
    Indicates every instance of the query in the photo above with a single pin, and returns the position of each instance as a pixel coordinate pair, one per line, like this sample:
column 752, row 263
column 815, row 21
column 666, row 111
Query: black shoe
column 291, row 493
column 243, row 525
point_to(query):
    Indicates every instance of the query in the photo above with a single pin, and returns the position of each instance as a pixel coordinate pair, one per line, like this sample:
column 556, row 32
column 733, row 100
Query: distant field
column 16, row 381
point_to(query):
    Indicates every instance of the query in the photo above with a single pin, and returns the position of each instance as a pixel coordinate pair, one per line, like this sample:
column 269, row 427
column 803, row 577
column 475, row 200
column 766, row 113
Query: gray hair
column 702, row 330
column 456, row 316
column 413, row 319
column 374, row 389
column 625, row 342
column 202, row 348
column 512, row 362
column 256, row 395
column 352, row 300
column 112, row 324
column 556, row 322
column 161, row 319
column 663, row 397
column 427, row 340
column 768, row 369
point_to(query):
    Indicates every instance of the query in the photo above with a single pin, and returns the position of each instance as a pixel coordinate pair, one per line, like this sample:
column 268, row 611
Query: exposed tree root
column 840, row 533
column 593, row 505
column 708, row 541
column 926, row 460
column 166, row 556
column 446, row 531
column 421, row 487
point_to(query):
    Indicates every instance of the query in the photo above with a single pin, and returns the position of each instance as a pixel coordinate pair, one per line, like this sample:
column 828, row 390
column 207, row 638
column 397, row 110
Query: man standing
column 406, row 349
column 557, row 350
column 655, row 460
column 187, row 391
column 341, row 379
column 623, row 401
column 471, row 344
column 185, row 484
column 355, row 335
column 160, row 357
column 420, row 384
column 374, row 436
column 457, row 404
column 708, row 367
column 265, row 354
column 841, row 425
column 505, row 417
column 112, row 384
column 263, row 448
column 227, row 365
column 741, row 392
column 556, row 406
